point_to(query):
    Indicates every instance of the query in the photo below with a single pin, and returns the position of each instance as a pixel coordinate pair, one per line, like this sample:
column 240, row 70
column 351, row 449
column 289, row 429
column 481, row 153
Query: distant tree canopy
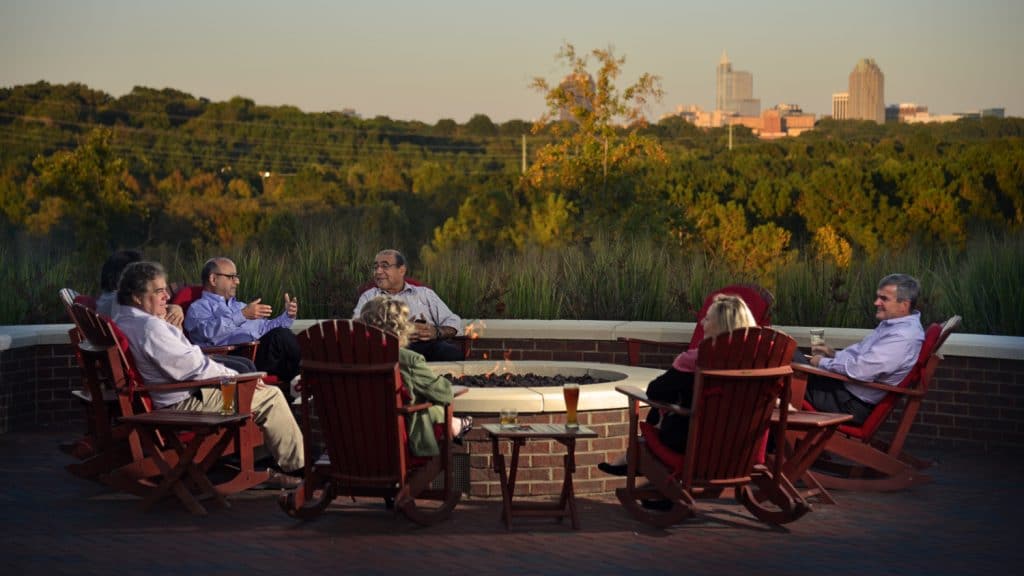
column 162, row 166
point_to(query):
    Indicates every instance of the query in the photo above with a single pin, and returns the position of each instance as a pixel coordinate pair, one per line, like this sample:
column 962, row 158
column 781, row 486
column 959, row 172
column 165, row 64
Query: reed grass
column 605, row 279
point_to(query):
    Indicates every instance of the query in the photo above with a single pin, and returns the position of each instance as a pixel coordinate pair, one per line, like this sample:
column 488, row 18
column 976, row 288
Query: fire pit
column 547, row 397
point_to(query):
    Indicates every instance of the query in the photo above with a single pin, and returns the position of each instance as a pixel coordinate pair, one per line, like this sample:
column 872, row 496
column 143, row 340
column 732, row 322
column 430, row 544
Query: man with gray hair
column 885, row 355
column 163, row 355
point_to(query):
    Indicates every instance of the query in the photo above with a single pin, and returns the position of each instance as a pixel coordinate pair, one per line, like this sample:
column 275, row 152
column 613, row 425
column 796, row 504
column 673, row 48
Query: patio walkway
column 966, row 522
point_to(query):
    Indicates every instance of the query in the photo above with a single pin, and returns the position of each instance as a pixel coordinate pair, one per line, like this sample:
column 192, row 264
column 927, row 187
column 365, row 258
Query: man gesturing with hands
column 218, row 319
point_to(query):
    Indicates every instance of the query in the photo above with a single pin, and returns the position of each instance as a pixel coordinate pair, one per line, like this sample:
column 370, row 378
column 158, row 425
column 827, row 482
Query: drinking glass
column 571, row 393
column 818, row 337
column 228, row 386
column 509, row 418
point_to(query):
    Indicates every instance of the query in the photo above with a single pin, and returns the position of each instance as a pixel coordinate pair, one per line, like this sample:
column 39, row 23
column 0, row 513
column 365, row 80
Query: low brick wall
column 975, row 402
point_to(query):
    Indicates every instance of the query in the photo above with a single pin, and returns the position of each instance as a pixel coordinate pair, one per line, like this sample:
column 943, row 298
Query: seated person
column 392, row 316
column 162, row 354
column 675, row 386
column 434, row 322
column 885, row 355
column 218, row 319
column 106, row 303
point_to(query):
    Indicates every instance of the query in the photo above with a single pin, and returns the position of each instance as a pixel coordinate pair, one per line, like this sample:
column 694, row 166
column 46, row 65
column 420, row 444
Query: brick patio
column 965, row 522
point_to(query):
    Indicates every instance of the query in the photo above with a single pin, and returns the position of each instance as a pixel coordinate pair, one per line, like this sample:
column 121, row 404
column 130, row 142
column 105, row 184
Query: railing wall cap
column 968, row 345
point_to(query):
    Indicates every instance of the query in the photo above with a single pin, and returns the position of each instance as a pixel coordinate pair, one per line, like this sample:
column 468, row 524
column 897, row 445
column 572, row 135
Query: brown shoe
column 280, row 480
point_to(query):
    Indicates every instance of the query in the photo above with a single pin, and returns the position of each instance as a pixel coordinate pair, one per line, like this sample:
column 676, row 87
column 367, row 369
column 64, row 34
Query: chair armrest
column 639, row 395
column 204, row 383
column 808, row 369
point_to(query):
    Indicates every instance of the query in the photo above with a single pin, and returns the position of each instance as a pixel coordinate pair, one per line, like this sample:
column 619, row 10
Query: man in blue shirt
column 218, row 319
column 886, row 355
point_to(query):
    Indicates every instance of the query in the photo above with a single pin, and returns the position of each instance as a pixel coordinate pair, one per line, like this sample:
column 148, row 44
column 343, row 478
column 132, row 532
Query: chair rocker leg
column 870, row 471
column 662, row 485
column 418, row 485
column 302, row 502
column 786, row 503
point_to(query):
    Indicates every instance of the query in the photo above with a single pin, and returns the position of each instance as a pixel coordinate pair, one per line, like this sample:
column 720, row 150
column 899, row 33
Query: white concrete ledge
column 968, row 345
column 543, row 399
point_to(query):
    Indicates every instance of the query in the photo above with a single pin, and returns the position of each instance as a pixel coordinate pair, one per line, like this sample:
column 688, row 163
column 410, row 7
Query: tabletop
column 539, row 431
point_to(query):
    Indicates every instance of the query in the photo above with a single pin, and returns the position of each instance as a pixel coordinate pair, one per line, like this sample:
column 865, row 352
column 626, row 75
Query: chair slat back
column 740, row 377
column 186, row 295
column 758, row 299
column 350, row 373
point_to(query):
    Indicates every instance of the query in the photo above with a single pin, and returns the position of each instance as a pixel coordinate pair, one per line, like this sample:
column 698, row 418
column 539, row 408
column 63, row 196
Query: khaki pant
column 281, row 434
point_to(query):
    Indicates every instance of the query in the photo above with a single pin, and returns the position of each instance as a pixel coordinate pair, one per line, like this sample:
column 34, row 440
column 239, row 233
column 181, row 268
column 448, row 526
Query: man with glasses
column 218, row 319
column 435, row 323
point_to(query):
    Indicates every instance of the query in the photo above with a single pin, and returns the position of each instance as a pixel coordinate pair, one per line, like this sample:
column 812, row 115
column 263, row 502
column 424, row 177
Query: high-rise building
column 867, row 92
column 840, row 105
column 734, row 90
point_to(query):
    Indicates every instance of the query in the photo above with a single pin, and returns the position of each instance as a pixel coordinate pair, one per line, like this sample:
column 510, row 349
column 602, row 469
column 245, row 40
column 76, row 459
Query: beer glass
column 571, row 392
column 228, row 386
column 818, row 337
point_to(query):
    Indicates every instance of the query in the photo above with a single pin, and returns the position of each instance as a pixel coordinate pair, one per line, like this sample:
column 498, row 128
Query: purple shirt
column 422, row 301
column 214, row 321
column 163, row 355
column 886, row 355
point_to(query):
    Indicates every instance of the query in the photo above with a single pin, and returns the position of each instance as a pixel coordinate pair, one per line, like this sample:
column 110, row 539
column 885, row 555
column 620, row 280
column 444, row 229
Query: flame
column 506, row 366
column 475, row 329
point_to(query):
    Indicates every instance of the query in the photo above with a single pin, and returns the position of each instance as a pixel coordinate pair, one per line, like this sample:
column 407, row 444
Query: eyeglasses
column 382, row 265
column 231, row 276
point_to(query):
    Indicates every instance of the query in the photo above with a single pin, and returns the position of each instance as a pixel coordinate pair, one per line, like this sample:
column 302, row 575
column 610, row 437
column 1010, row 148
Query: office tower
column 840, row 105
column 867, row 92
column 734, row 90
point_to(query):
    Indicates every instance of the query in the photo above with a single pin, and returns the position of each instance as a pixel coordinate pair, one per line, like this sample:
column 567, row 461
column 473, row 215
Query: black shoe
column 660, row 504
column 613, row 469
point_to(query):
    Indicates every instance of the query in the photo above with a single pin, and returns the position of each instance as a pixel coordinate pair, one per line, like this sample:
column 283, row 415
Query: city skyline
column 455, row 58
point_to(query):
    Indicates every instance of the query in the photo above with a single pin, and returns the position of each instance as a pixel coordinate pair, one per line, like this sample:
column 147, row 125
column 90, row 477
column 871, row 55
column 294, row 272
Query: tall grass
column 608, row 279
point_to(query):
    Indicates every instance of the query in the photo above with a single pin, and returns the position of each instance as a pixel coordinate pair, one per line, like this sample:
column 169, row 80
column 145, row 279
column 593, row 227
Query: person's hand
column 260, row 384
column 256, row 311
column 175, row 315
column 816, row 359
column 291, row 306
column 424, row 331
column 823, row 350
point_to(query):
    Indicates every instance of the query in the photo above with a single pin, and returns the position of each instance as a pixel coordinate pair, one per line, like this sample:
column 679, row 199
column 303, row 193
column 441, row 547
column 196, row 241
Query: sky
column 432, row 59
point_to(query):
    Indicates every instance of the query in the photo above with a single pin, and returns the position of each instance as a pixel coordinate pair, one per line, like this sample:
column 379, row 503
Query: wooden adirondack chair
column 120, row 460
column 741, row 377
column 350, row 373
column 858, row 459
column 758, row 299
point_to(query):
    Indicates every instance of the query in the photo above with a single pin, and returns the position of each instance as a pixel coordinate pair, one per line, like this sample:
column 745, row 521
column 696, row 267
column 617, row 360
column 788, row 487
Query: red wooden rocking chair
column 350, row 373
column 859, row 459
column 741, row 377
column 758, row 299
column 120, row 460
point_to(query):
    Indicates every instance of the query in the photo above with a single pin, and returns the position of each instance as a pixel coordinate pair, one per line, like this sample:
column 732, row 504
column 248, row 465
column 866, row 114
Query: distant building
column 840, row 105
column 734, row 90
column 867, row 92
column 993, row 112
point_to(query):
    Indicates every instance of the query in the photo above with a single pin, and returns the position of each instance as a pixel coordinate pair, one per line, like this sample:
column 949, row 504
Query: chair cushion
column 186, row 295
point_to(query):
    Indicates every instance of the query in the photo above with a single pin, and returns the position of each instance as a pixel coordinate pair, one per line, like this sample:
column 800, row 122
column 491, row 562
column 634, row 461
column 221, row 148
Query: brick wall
column 973, row 401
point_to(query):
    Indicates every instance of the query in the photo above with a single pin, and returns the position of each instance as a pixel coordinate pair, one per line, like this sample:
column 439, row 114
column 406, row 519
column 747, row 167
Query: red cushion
column 87, row 301
column 186, row 295
column 674, row 460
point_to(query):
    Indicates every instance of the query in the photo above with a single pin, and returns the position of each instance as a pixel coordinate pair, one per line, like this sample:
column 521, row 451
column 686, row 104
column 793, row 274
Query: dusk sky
column 432, row 59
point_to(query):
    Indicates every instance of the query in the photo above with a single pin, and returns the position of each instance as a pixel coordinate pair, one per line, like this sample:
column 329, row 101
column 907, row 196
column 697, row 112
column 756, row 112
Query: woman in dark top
column 675, row 386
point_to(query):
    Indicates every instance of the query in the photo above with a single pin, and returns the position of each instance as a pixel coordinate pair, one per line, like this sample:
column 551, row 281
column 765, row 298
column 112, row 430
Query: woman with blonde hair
column 392, row 316
column 726, row 313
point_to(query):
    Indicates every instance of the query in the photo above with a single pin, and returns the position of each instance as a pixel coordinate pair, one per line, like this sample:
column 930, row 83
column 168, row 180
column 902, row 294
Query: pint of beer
column 227, row 395
column 571, row 392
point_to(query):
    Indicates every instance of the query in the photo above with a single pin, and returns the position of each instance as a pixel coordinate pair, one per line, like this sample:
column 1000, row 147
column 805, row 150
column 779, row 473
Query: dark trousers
column 829, row 395
column 239, row 364
column 279, row 354
column 438, row 351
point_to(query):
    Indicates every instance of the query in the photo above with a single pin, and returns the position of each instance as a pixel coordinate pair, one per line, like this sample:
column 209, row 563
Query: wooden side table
column 186, row 471
column 807, row 433
column 566, row 504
